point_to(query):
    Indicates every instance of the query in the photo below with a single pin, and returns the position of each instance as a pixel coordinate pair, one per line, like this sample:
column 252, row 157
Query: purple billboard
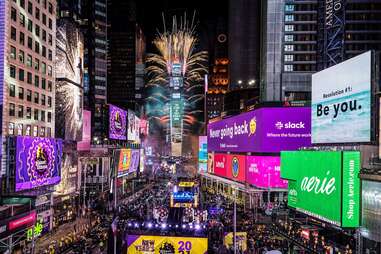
column 264, row 172
column 117, row 123
column 38, row 162
column 267, row 130
column 134, row 164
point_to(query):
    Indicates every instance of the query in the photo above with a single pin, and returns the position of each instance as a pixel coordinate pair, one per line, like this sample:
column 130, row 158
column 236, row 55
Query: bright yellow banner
column 186, row 184
column 145, row 244
column 241, row 240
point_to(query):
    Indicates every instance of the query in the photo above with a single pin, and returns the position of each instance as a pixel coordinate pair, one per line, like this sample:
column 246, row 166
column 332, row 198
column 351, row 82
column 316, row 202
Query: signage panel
column 220, row 164
column 117, row 123
column 264, row 172
column 236, row 167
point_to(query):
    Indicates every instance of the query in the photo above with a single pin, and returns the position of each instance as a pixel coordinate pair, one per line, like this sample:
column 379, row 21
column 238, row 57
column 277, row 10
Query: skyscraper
column 244, row 43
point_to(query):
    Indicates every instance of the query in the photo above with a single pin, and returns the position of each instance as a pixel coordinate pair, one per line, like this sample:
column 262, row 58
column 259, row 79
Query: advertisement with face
column 38, row 162
column 264, row 172
column 117, row 123
column 210, row 163
column 262, row 130
column 341, row 102
column 124, row 161
column 84, row 144
column 324, row 184
column 133, row 128
column 220, row 164
column 236, row 167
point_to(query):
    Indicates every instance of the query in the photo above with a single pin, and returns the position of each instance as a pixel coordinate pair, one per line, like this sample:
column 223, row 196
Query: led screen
column 117, row 123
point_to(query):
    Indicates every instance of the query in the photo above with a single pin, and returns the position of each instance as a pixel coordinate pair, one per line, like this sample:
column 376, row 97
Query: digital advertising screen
column 202, row 154
column 137, row 244
column 241, row 238
column 84, row 144
column 38, row 162
column 128, row 161
column 117, row 123
column 210, row 163
column 220, row 164
column 262, row 130
column 236, row 167
column 133, row 127
column 341, row 102
column 134, row 164
column 264, row 172
column 324, row 184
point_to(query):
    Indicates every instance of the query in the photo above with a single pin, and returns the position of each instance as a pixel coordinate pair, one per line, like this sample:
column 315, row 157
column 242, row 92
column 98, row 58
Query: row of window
column 27, row 131
column 22, row 19
column 29, row 78
column 28, row 60
column 39, row 49
column 38, row 115
column 45, row 100
column 45, row 4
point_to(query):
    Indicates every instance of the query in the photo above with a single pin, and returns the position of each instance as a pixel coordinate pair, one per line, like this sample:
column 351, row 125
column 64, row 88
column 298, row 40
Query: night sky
column 149, row 15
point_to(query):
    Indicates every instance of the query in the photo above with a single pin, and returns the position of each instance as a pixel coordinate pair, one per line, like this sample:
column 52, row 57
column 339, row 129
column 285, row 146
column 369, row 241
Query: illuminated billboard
column 220, row 164
column 341, row 102
column 324, row 184
column 69, row 81
column 84, row 144
column 202, row 154
column 137, row 244
column 128, row 161
column 263, row 130
column 117, row 123
column 264, row 172
column 133, row 130
column 38, row 162
column 235, row 169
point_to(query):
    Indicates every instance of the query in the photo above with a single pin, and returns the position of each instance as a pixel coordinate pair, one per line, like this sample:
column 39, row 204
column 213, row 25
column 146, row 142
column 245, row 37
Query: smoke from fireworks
column 176, row 46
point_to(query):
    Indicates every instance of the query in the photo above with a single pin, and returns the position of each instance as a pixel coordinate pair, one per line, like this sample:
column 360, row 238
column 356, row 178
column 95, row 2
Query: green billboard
column 324, row 184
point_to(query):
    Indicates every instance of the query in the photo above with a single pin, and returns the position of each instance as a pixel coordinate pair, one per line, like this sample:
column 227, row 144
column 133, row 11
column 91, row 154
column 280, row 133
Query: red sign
column 220, row 164
column 23, row 221
column 236, row 167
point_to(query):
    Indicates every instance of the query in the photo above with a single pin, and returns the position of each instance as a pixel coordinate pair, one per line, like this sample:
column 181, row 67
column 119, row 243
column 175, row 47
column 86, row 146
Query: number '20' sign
column 184, row 247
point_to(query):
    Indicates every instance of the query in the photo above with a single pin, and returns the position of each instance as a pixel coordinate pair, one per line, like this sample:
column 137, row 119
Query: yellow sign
column 186, row 184
column 241, row 240
column 145, row 244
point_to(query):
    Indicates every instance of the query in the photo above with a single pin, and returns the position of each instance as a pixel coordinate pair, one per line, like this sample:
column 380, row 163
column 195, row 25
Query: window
column 48, row 132
column 43, row 51
column 36, row 81
column 22, row 19
column 21, row 111
column 21, row 56
column 49, row 117
column 21, row 74
column 22, row 38
column 12, row 71
column 30, row 7
column 30, row 25
column 43, row 100
column 50, row 40
column 44, row 19
column 28, row 113
column 19, row 129
column 43, row 67
column 42, row 131
column 289, row 18
column 22, row 3
column 13, row 33
column 288, row 47
column 43, row 35
column 13, row 52
column 288, row 58
column 37, row 47
column 29, row 61
column 289, row 28
column 11, row 109
column 50, row 70
column 30, row 43
column 37, row 13
column 29, row 95
column 35, row 131
column 37, row 30
column 49, row 86
column 28, row 129
column 12, row 90
column 43, row 83
column 288, row 67
column 42, row 115
column 29, row 78
column 36, row 97
column 50, row 23
column 50, row 56
column 21, row 93
column 45, row 3
column 35, row 114
column 36, row 64
column 49, row 101
column 13, row 14
column 289, row 7
column 50, row 8
column 288, row 37
column 11, row 129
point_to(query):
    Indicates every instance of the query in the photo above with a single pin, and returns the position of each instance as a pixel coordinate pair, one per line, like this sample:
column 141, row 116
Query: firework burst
column 176, row 46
